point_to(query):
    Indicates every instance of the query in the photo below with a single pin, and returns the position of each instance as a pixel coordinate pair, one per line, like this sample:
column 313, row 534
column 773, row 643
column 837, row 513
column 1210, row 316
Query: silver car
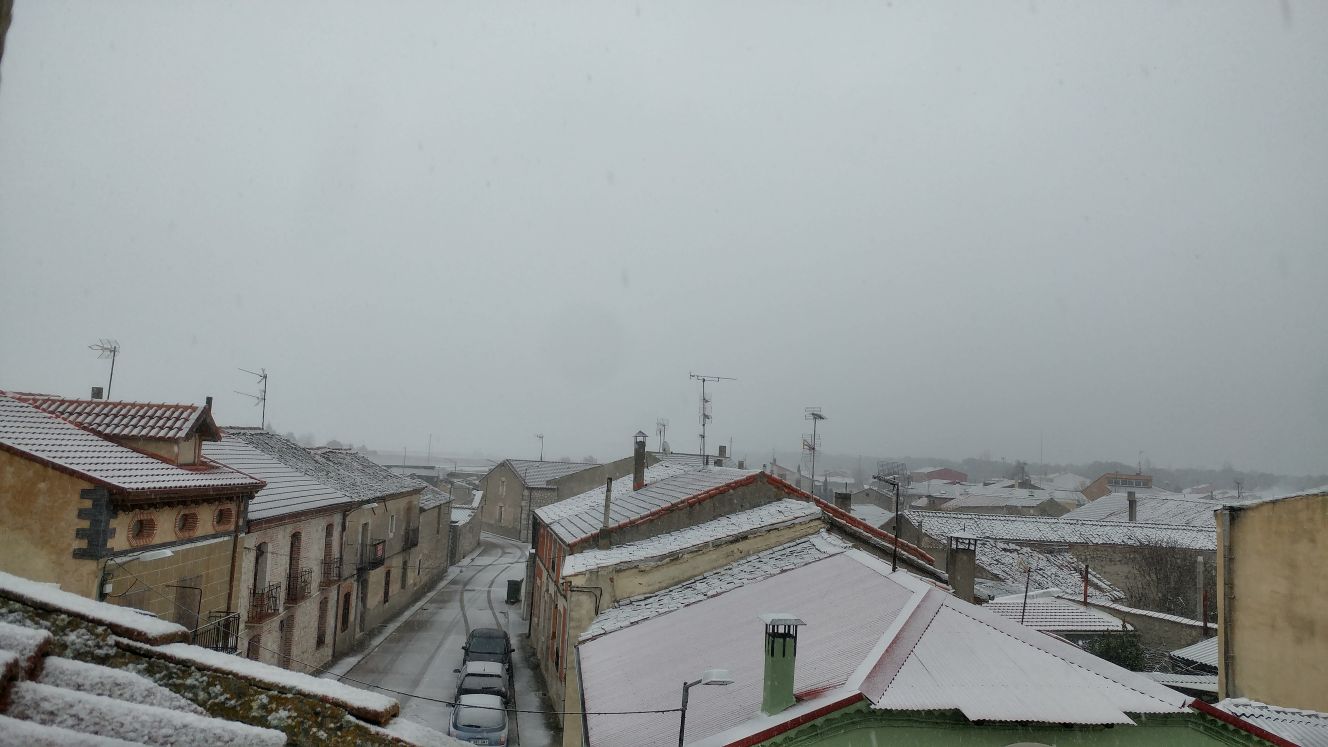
column 479, row 719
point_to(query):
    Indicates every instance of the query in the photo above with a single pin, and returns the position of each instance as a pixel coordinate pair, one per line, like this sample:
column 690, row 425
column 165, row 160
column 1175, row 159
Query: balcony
column 221, row 633
column 411, row 538
column 264, row 603
column 372, row 555
column 331, row 572
column 299, row 585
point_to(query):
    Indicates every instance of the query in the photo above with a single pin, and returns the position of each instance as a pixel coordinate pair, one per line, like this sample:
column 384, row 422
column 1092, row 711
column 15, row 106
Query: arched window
column 322, row 623
column 345, row 612
column 260, row 567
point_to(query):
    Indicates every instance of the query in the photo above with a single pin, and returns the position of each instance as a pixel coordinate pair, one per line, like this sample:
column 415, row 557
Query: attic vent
column 186, row 524
column 223, row 518
column 142, row 529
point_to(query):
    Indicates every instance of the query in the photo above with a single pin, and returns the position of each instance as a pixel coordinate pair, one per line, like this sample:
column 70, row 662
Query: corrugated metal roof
column 730, row 528
column 115, row 419
column 1061, row 530
column 1204, row 652
column 1307, row 728
column 1056, row 615
column 1014, row 565
column 537, row 474
column 579, row 517
column 923, row 649
column 874, row 515
column 346, row 471
column 1152, row 508
column 46, row 438
column 287, row 491
column 1199, row 682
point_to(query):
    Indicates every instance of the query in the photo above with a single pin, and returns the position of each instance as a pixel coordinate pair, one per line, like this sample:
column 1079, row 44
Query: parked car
column 479, row 719
column 483, row 677
column 488, row 644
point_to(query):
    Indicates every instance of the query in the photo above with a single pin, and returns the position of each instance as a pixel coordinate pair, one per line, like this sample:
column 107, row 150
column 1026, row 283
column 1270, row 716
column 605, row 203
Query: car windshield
column 488, row 646
column 482, row 682
column 480, row 718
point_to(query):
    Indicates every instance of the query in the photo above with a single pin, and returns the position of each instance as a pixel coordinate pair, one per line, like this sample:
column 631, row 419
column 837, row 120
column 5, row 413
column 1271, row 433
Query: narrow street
column 419, row 656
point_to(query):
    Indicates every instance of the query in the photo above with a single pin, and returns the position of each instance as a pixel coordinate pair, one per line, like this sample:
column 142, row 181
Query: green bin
column 514, row 591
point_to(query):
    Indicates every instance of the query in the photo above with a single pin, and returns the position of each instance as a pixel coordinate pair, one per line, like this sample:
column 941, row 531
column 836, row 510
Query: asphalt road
column 420, row 655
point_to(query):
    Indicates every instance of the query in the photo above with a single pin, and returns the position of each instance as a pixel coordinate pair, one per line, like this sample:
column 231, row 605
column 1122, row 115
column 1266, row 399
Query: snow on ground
column 123, row 621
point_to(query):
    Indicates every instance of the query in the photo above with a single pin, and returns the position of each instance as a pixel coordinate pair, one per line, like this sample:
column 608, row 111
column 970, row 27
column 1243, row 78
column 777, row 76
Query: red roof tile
column 114, row 419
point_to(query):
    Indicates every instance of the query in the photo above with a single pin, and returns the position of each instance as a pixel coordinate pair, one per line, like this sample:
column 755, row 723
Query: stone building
column 115, row 501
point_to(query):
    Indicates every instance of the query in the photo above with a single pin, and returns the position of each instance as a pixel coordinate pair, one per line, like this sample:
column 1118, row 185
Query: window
column 322, row 623
column 260, row 567
column 392, row 525
column 287, row 628
column 502, row 487
column 142, row 529
column 500, row 513
column 186, row 524
column 404, row 568
column 387, row 585
column 255, row 645
column 223, row 518
column 345, row 612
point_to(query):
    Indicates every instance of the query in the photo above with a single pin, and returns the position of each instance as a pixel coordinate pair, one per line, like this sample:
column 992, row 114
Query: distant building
column 939, row 473
column 1117, row 482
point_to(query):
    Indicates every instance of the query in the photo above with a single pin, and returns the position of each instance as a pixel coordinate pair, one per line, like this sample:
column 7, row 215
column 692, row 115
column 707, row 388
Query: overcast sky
column 958, row 227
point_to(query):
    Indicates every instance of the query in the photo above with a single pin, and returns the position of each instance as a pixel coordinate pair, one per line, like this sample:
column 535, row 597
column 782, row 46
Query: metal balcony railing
column 221, row 633
column 331, row 571
column 372, row 555
column 299, row 585
column 412, row 537
column 264, row 603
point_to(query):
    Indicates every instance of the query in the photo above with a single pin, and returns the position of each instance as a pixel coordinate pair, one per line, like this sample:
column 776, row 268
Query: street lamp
column 708, row 677
column 893, row 481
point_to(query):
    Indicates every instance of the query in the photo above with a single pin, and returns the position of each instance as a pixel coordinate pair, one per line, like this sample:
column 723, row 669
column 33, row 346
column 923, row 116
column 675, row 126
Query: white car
column 479, row 719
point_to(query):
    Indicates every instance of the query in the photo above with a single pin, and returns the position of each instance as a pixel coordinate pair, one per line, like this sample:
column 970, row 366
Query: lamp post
column 708, row 677
column 893, row 481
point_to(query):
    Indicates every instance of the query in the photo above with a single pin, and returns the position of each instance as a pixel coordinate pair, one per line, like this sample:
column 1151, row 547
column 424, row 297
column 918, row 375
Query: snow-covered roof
column 1013, row 498
column 578, row 518
column 537, row 474
column 1056, row 616
column 288, row 491
column 1060, row 530
column 431, row 496
column 960, row 494
column 1015, row 565
column 892, row 640
column 727, row 528
column 348, row 472
column 1061, row 481
column 748, row 570
column 123, row 621
column 45, row 438
column 1151, row 508
column 1306, row 728
column 1204, row 652
column 1118, row 607
column 115, row 419
column 872, row 514
column 1199, row 682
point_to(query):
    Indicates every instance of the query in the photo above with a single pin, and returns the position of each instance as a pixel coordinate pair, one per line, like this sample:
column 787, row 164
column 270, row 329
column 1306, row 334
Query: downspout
column 588, row 590
column 581, row 686
column 242, row 514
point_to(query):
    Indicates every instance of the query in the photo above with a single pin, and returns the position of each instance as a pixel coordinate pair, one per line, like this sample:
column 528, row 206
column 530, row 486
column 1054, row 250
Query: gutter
column 1236, row 722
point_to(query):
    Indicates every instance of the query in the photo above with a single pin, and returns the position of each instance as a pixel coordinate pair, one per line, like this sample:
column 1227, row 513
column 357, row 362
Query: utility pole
column 705, row 409
column 107, row 348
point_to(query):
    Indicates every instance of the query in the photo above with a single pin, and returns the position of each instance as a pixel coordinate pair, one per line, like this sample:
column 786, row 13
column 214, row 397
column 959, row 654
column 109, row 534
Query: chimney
column 603, row 541
column 844, row 501
column 742, row 464
column 98, row 393
column 638, row 467
column 961, row 564
column 781, row 654
column 1134, row 505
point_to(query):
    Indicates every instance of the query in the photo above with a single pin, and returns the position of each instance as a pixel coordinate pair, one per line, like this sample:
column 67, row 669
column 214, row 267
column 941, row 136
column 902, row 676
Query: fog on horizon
column 1090, row 229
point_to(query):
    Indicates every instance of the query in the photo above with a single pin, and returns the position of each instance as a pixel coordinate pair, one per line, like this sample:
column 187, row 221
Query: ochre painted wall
column 38, row 516
column 1275, row 623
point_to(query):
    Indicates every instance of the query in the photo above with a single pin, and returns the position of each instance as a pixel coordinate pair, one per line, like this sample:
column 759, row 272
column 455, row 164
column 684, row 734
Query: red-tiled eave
column 845, row 517
column 796, row 721
column 1234, row 721
column 688, row 502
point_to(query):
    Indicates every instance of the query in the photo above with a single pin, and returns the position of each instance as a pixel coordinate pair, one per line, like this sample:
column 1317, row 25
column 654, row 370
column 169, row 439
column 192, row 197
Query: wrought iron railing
column 372, row 555
column 412, row 537
column 331, row 571
column 221, row 633
column 264, row 603
column 299, row 584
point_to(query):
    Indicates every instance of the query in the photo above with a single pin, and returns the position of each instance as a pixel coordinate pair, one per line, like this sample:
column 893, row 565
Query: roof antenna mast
column 261, row 397
column 107, row 348
column 705, row 409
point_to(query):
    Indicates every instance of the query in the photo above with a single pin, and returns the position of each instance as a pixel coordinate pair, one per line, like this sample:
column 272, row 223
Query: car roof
column 487, row 633
column 482, row 667
column 480, row 699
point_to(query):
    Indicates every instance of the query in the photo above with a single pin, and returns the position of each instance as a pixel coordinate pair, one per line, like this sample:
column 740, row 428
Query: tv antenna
column 705, row 409
column 107, row 348
column 810, row 441
column 662, row 430
column 540, row 436
column 261, row 397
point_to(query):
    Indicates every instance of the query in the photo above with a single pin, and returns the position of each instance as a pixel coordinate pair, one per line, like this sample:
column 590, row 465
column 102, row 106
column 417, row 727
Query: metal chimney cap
column 780, row 618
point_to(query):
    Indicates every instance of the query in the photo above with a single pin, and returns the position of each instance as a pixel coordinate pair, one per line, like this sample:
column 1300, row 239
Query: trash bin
column 514, row 591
